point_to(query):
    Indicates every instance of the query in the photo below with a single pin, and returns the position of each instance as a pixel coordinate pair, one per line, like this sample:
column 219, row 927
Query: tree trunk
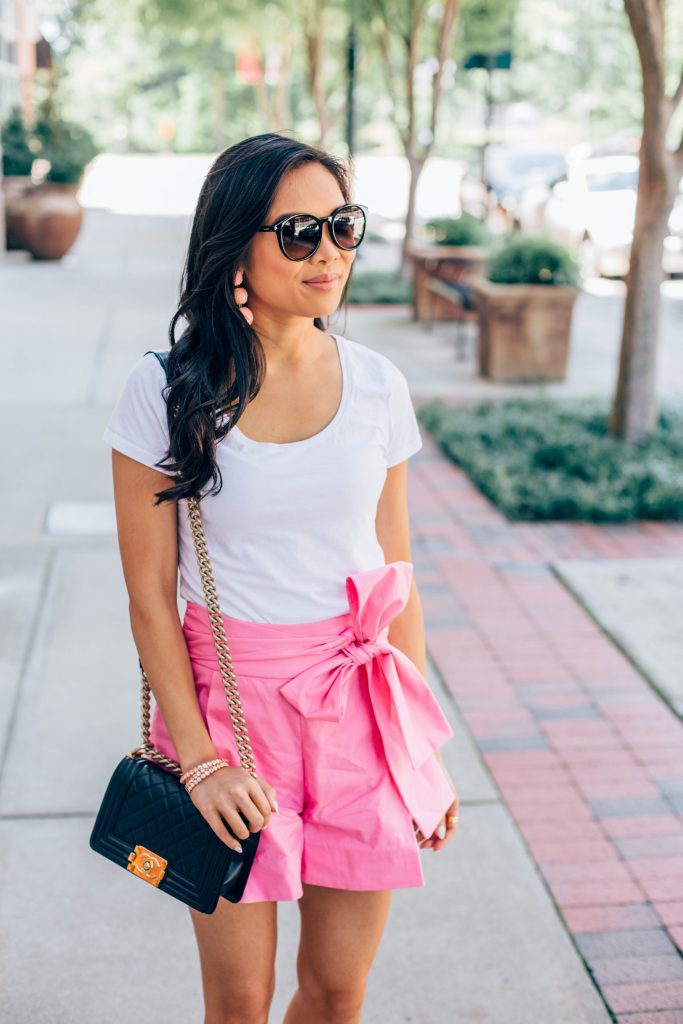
column 410, row 40
column 315, row 41
column 281, row 103
column 416, row 166
column 634, row 410
column 218, row 110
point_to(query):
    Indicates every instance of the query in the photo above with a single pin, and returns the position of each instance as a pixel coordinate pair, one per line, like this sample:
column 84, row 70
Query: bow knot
column 360, row 652
column 408, row 715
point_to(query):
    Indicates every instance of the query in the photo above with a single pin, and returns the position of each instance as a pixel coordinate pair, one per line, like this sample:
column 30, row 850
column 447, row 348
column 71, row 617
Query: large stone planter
column 524, row 329
column 45, row 219
column 447, row 262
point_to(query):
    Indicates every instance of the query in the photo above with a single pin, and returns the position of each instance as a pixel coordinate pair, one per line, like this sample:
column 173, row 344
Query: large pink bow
column 409, row 717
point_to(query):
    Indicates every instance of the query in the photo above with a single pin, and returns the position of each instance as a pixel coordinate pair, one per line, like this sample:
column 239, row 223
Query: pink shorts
column 343, row 725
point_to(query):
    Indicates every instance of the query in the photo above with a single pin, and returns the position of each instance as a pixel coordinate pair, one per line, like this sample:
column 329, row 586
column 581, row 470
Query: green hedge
column 379, row 286
column 533, row 259
column 462, row 230
column 542, row 459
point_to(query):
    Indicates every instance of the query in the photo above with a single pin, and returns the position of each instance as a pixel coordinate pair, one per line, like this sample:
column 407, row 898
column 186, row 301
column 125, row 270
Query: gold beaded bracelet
column 202, row 764
column 195, row 780
column 200, row 776
column 201, row 771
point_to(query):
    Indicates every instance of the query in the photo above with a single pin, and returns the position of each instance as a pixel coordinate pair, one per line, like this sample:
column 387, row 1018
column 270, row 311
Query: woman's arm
column 149, row 556
column 406, row 630
column 148, row 544
column 392, row 523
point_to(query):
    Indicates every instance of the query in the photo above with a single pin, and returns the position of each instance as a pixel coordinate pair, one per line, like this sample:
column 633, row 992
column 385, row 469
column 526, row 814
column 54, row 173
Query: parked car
column 672, row 259
column 592, row 211
column 514, row 169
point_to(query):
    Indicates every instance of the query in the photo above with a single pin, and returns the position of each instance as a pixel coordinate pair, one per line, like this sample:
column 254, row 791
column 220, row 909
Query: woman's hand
column 227, row 792
column 444, row 831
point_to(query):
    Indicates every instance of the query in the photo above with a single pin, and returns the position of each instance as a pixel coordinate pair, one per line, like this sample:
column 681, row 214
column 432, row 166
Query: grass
column 545, row 459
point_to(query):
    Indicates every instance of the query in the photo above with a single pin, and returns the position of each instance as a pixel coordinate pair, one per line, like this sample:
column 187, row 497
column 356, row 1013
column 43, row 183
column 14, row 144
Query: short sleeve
column 137, row 425
column 404, row 431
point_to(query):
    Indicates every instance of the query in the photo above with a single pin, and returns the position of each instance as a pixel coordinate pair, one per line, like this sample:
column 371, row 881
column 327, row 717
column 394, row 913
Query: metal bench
column 460, row 297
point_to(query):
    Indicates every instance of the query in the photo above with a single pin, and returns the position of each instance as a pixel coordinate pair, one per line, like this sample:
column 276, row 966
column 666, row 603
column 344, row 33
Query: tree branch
column 449, row 18
column 416, row 15
column 647, row 25
column 383, row 35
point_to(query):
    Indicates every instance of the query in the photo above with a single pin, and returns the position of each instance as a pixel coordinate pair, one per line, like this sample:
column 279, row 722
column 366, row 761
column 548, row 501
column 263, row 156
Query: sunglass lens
column 300, row 236
column 349, row 227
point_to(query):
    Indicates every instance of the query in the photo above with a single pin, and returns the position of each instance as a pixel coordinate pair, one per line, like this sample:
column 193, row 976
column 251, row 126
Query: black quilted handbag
column 147, row 822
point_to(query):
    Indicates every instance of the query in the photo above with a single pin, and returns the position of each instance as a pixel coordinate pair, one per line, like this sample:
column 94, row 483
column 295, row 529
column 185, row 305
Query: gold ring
column 451, row 819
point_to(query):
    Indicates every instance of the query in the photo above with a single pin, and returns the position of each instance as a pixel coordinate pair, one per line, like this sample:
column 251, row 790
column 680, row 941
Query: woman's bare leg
column 237, row 946
column 340, row 934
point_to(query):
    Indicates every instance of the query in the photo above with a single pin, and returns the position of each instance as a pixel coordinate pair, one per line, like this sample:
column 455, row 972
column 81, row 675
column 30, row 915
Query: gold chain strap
column 220, row 640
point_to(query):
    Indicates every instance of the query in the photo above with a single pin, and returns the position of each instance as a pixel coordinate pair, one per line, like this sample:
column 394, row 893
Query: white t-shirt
column 292, row 520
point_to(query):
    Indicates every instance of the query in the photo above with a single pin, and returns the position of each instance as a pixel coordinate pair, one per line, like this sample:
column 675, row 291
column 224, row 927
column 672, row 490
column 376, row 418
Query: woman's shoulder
column 379, row 379
column 147, row 372
column 137, row 425
column 156, row 356
column 372, row 367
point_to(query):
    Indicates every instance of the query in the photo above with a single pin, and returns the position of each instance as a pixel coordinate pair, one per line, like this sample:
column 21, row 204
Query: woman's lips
column 323, row 286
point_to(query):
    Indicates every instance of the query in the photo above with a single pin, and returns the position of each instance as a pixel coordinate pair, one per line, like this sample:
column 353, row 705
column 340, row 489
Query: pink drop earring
column 241, row 297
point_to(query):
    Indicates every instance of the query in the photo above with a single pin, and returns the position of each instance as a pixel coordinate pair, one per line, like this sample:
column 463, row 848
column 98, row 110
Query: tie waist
column 320, row 660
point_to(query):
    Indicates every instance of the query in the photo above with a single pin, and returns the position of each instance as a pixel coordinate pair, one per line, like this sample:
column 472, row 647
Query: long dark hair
column 217, row 342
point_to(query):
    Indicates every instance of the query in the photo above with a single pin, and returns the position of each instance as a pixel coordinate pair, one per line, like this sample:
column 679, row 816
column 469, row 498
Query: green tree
column 414, row 40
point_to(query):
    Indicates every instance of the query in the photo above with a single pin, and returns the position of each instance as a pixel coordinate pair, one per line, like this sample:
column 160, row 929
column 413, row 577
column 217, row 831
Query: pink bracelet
column 201, row 771
column 202, row 764
column 189, row 786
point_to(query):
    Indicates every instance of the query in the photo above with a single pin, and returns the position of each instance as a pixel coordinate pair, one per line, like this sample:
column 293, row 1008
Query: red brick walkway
column 587, row 757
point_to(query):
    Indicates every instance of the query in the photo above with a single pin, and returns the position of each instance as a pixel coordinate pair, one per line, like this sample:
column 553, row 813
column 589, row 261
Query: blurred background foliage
column 191, row 76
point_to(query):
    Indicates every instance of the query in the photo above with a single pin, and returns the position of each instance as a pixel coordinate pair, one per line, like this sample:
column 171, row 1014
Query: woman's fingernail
column 238, row 848
column 275, row 805
column 441, row 831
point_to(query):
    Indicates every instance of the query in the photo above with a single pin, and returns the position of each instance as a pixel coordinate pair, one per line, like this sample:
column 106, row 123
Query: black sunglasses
column 299, row 234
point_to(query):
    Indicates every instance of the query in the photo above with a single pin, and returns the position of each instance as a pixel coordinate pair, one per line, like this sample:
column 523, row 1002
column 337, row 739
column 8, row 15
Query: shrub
column 542, row 459
column 533, row 259
column 379, row 286
column 68, row 146
column 17, row 155
column 462, row 230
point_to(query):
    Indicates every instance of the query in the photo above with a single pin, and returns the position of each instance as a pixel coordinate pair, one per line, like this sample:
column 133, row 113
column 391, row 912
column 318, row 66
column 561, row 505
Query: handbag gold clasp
column 147, row 865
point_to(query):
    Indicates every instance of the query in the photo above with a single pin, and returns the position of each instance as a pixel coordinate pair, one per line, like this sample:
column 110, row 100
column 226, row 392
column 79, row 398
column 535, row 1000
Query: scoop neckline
column 327, row 429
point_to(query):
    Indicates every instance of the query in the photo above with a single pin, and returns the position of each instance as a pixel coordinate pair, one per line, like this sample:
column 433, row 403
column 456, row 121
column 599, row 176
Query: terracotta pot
column 447, row 262
column 14, row 186
column 45, row 219
column 524, row 329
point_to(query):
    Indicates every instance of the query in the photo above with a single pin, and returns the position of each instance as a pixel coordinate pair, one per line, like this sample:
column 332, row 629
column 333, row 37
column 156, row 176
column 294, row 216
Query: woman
column 307, row 530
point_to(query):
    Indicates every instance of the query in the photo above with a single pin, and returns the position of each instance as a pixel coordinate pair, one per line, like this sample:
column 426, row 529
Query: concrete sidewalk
column 80, row 941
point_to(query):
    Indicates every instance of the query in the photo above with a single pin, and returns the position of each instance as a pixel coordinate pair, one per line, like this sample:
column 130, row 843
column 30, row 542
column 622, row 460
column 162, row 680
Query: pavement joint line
column 36, row 626
column 630, row 657
column 45, row 815
column 66, row 815
column 64, row 542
